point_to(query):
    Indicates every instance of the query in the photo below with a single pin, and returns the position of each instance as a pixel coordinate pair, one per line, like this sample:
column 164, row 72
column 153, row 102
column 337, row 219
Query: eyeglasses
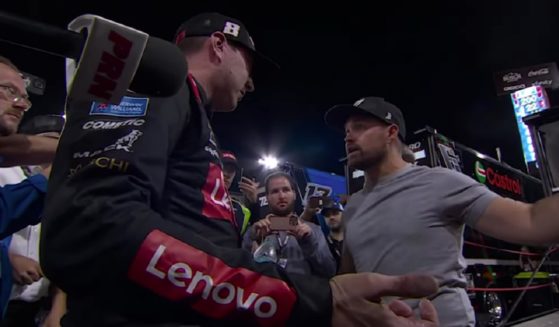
column 15, row 96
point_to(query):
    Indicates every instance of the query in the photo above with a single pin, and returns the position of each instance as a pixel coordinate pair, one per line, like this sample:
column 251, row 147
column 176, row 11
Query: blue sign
column 526, row 102
column 336, row 183
column 128, row 107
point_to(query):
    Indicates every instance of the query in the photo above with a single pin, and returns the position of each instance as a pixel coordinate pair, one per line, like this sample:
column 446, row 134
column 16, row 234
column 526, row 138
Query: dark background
column 435, row 60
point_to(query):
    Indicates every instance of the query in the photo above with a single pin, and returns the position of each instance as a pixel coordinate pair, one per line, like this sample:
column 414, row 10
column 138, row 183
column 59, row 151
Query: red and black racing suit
column 139, row 229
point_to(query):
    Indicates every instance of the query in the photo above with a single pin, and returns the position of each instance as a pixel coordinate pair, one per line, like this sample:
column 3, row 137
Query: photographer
column 301, row 246
column 248, row 187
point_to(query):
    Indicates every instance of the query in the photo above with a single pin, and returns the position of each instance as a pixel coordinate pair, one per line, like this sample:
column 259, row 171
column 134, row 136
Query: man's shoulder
column 438, row 173
column 238, row 204
column 182, row 98
column 451, row 175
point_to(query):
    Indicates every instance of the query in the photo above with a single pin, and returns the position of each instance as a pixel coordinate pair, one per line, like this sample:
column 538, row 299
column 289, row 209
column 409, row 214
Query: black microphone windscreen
column 40, row 37
column 162, row 70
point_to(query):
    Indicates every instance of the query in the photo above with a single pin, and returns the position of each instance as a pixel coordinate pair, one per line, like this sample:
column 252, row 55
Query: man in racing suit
column 139, row 229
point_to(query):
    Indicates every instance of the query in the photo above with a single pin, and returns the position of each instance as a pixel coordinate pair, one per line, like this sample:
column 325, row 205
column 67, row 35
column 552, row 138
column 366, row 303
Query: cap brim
column 332, row 208
column 262, row 63
column 337, row 116
column 264, row 69
column 266, row 62
column 230, row 162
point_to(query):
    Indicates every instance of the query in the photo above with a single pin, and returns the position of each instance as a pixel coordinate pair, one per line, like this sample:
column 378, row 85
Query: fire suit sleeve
column 21, row 204
column 103, row 231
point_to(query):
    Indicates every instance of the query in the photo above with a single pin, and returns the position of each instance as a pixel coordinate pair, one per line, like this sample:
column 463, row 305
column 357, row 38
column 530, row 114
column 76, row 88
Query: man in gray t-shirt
column 410, row 219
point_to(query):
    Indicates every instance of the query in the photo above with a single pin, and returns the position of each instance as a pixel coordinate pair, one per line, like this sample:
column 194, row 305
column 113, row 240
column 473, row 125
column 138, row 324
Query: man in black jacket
column 139, row 228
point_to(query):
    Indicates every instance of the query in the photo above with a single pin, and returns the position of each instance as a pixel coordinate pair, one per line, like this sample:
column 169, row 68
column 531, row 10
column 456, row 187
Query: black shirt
column 336, row 249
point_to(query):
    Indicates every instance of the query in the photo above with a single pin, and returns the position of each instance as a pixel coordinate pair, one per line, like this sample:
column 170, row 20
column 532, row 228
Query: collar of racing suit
column 199, row 94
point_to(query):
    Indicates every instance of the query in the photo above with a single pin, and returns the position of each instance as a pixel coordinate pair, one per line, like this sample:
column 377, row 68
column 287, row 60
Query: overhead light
column 269, row 162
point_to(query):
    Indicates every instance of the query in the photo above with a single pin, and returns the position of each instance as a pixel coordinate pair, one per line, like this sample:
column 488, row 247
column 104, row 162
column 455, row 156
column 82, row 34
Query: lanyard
column 282, row 244
column 331, row 241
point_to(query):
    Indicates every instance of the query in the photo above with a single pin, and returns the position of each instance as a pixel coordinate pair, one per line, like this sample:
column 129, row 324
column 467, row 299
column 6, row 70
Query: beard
column 336, row 229
column 6, row 127
column 282, row 212
column 362, row 161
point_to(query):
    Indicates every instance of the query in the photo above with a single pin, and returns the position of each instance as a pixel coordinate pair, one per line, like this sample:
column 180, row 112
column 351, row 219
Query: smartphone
column 283, row 223
column 317, row 201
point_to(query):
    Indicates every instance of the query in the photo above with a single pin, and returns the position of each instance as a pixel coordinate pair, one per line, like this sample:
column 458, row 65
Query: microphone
column 110, row 57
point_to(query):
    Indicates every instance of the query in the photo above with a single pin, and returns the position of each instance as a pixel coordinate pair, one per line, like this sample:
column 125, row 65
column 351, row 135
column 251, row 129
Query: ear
column 393, row 131
column 218, row 43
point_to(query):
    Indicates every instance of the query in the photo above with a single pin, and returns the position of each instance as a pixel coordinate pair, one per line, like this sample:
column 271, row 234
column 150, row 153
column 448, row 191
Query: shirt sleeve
column 462, row 198
column 19, row 242
column 316, row 252
column 21, row 204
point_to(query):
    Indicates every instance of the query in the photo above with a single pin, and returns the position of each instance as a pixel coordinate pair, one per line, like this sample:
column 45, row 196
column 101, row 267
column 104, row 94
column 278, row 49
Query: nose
column 349, row 137
column 21, row 105
column 249, row 85
column 227, row 175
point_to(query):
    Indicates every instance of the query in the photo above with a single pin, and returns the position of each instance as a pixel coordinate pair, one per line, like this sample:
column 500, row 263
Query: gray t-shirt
column 412, row 222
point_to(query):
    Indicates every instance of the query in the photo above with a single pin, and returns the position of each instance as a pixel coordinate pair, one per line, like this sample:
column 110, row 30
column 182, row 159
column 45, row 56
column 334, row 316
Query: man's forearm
column 19, row 149
column 59, row 302
column 544, row 215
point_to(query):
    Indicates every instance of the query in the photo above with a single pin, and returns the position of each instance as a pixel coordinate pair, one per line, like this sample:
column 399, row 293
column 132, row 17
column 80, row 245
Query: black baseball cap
column 229, row 158
column 333, row 205
column 336, row 116
column 42, row 124
column 206, row 24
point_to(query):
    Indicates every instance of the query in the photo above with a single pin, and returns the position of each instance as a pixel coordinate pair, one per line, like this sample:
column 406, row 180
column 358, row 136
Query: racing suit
column 139, row 228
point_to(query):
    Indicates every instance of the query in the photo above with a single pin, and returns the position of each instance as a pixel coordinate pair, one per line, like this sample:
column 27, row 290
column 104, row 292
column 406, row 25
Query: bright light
column 269, row 162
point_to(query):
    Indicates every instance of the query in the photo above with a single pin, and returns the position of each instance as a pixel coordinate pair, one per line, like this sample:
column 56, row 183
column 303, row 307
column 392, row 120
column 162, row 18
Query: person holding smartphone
column 302, row 247
column 242, row 213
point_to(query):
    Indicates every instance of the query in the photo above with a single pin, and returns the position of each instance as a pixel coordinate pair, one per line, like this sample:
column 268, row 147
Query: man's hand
column 45, row 170
column 51, row 321
column 25, row 270
column 250, row 189
column 302, row 231
column 357, row 300
column 309, row 211
column 57, row 310
column 260, row 229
